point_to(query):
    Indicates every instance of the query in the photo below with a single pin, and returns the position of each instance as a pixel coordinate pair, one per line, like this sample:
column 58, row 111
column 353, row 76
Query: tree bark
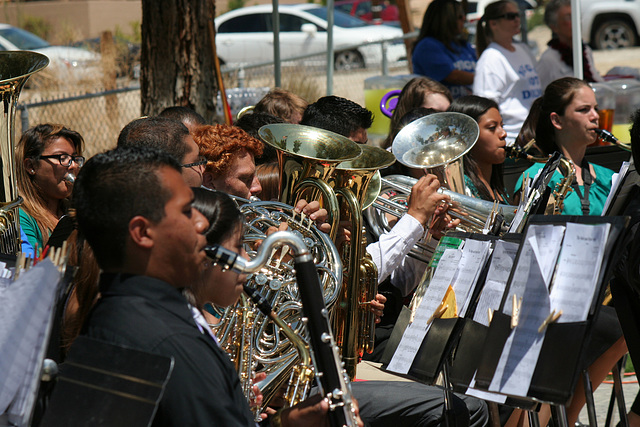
column 177, row 65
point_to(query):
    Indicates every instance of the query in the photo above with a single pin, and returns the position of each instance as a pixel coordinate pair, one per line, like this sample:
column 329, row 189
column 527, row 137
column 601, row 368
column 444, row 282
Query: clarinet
column 334, row 383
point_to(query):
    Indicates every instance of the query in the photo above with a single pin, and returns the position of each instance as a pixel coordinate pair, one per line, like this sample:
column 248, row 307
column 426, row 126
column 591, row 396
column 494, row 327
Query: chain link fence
column 100, row 116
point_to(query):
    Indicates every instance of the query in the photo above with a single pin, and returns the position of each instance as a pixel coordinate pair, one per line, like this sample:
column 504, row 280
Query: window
column 290, row 23
column 252, row 23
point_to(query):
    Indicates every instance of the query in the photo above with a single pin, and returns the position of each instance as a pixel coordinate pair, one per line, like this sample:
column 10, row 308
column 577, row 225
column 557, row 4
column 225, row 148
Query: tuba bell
column 15, row 68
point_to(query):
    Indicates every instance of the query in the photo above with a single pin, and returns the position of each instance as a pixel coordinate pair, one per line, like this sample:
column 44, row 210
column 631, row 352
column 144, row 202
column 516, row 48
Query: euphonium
column 307, row 157
column 257, row 345
column 15, row 68
column 352, row 320
column 437, row 143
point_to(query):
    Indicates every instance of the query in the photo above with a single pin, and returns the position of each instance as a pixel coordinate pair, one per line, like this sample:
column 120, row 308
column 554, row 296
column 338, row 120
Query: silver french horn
column 251, row 339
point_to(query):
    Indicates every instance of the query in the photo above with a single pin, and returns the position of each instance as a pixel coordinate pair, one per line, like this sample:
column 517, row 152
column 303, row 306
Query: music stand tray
column 101, row 384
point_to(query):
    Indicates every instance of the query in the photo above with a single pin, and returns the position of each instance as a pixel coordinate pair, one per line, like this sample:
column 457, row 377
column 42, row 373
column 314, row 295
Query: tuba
column 15, row 69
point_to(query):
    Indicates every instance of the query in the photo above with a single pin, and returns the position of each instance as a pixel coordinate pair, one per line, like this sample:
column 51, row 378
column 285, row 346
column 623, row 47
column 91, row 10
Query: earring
column 32, row 171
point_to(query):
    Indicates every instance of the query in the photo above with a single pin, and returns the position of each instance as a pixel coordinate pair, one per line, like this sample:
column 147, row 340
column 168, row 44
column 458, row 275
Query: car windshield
column 23, row 39
column 340, row 19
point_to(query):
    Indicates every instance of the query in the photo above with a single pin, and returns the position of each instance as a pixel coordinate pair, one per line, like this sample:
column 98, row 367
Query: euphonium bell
column 307, row 157
column 15, row 68
column 437, row 143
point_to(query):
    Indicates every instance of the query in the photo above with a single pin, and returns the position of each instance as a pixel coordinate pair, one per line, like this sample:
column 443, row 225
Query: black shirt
column 151, row 315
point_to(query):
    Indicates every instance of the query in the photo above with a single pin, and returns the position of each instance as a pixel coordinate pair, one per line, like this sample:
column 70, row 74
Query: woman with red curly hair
column 231, row 154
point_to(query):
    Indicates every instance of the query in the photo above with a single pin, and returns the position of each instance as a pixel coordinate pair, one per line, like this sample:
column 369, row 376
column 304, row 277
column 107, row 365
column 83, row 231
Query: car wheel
column 614, row 34
column 348, row 60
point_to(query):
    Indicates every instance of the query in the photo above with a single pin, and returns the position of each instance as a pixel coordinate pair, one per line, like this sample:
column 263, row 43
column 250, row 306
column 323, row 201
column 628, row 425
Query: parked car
column 610, row 24
column 66, row 61
column 127, row 54
column 362, row 9
column 245, row 36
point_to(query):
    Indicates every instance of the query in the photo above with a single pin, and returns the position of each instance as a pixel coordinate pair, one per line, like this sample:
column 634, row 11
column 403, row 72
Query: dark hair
column 221, row 212
column 475, row 107
column 440, row 21
column 112, row 188
column 484, row 35
column 411, row 97
column 635, row 136
column 31, row 146
column 251, row 123
column 528, row 129
column 338, row 115
column 269, row 176
column 281, row 103
column 556, row 98
column 156, row 132
column 183, row 115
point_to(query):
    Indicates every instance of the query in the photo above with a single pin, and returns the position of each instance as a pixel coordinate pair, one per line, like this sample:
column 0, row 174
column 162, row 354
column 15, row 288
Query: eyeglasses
column 66, row 159
column 201, row 162
column 509, row 16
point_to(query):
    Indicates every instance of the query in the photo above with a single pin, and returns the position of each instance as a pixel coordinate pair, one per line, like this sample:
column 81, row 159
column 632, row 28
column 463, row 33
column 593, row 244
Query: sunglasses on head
column 510, row 16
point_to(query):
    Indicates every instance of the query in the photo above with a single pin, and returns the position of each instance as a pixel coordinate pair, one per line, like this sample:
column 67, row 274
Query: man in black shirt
column 134, row 208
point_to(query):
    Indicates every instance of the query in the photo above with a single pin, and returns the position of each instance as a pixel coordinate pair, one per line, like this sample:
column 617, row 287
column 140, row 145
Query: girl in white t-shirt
column 505, row 71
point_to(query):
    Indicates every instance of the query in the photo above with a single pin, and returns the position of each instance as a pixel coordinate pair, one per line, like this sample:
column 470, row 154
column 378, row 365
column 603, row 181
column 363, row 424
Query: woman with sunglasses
column 48, row 157
column 505, row 71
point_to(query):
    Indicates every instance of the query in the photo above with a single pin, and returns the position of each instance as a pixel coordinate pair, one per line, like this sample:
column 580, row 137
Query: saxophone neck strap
column 587, row 180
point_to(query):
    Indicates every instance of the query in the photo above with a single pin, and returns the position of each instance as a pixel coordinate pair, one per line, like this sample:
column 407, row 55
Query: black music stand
column 102, row 384
column 561, row 358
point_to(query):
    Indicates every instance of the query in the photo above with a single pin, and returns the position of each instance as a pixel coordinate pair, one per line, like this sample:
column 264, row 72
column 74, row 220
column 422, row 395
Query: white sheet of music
column 578, row 269
column 502, row 260
column 544, row 241
column 25, row 314
column 484, row 395
column 474, row 256
column 520, row 353
column 417, row 330
column 617, row 179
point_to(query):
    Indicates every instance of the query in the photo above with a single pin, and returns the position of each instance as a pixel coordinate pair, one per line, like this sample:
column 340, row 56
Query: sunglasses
column 510, row 16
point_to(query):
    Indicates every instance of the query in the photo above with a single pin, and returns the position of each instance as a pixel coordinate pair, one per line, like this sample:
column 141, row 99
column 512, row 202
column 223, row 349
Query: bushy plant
column 36, row 25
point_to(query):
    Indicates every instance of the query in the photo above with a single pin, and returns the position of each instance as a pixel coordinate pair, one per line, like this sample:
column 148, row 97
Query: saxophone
column 333, row 380
column 562, row 189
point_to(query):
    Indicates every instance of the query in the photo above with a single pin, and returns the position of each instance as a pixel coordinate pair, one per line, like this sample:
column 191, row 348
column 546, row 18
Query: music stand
column 560, row 360
column 102, row 384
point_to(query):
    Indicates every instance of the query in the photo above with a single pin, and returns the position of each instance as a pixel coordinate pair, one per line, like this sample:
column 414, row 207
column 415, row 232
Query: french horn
column 15, row 69
column 247, row 335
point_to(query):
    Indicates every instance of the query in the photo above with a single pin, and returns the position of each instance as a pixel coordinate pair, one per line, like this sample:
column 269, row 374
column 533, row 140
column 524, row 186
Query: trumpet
column 474, row 214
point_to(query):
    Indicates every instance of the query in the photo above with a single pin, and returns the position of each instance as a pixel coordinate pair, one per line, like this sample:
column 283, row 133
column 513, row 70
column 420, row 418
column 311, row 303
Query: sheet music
column 474, row 256
column 484, row 395
column 616, row 181
column 539, row 243
column 25, row 313
column 579, row 265
column 520, row 353
column 502, row 260
column 417, row 330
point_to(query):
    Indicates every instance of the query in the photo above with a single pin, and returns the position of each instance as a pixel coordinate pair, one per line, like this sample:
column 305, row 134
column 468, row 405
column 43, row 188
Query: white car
column 245, row 36
column 65, row 60
column 610, row 24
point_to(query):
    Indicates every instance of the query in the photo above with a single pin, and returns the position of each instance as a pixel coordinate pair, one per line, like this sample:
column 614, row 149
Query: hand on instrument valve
column 256, row 400
column 377, row 306
column 315, row 213
column 311, row 412
column 425, row 200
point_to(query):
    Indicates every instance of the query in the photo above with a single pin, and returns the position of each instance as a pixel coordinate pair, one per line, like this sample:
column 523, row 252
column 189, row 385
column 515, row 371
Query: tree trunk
column 176, row 59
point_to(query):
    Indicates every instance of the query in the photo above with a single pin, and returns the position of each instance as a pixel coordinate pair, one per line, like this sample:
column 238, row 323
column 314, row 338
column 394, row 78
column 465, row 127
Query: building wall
column 88, row 17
